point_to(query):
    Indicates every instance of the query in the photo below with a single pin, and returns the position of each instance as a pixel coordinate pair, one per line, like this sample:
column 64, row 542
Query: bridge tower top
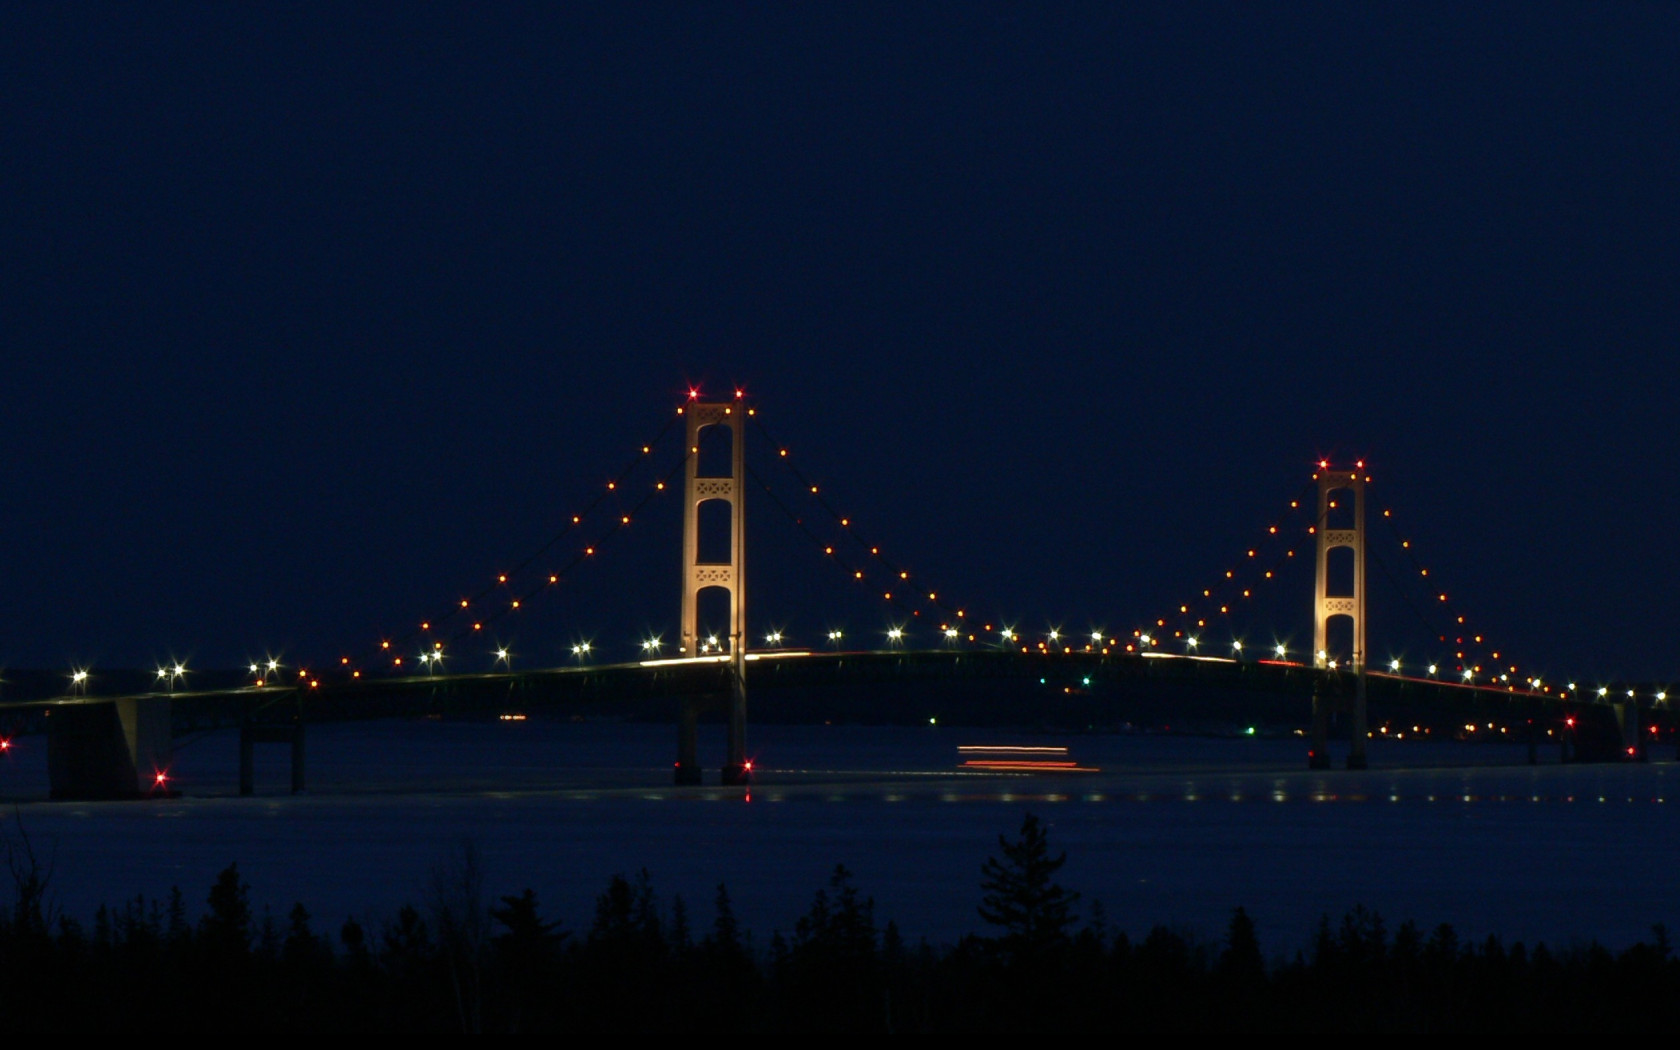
column 1327, row 606
column 729, row 575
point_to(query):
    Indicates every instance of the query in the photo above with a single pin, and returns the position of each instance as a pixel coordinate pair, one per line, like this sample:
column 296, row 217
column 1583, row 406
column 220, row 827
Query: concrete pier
column 109, row 749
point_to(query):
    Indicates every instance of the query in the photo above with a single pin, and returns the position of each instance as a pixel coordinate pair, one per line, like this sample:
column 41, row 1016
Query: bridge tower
column 729, row 575
column 1327, row 606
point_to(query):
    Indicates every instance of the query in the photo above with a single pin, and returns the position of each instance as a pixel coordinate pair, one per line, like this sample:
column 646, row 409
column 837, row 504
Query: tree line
column 461, row 961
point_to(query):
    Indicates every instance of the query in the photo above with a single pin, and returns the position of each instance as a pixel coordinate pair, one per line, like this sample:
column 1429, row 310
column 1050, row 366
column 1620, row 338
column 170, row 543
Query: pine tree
column 1021, row 896
column 225, row 931
column 830, row 976
column 529, row 937
column 726, row 930
column 1241, row 962
column 840, row 925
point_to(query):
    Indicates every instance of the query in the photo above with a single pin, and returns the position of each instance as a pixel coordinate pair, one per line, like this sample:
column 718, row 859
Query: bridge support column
column 252, row 735
column 688, row 741
column 728, row 575
column 109, row 749
column 1361, row 734
column 736, row 768
column 1318, row 756
column 1627, row 720
column 297, row 760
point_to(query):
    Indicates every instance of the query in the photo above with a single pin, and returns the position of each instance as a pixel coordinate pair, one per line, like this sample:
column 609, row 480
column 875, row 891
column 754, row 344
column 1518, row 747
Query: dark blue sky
column 315, row 319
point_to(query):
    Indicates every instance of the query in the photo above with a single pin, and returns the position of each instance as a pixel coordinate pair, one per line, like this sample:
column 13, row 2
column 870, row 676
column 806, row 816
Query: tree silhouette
column 1241, row 963
column 225, row 931
column 1021, row 896
column 830, row 977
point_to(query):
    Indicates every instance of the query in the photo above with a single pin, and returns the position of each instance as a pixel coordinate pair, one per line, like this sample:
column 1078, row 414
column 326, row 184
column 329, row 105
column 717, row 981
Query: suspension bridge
column 120, row 745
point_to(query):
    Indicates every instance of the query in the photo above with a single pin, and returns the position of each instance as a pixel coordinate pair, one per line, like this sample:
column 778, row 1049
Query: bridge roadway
column 105, row 746
column 386, row 696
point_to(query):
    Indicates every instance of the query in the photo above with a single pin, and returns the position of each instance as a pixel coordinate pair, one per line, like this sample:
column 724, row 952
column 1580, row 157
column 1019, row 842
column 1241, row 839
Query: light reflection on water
column 560, row 807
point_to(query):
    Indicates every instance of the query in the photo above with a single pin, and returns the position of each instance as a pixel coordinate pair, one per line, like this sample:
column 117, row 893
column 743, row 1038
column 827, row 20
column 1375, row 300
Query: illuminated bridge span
column 121, row 746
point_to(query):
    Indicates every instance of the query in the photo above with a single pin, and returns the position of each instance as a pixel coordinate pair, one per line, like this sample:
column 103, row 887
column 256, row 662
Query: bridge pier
column 113, row 749
column 1627, row 720
column 1361, row 734
column 688, row 741
column 252, row 735
column 736, row 768
column 1318, row 755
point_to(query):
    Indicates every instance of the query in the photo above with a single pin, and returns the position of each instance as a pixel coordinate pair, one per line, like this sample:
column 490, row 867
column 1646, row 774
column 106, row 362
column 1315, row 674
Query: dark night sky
column 315, row 318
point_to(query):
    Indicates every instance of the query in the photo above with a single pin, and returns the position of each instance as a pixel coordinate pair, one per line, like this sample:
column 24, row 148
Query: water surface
column 1171, row 830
